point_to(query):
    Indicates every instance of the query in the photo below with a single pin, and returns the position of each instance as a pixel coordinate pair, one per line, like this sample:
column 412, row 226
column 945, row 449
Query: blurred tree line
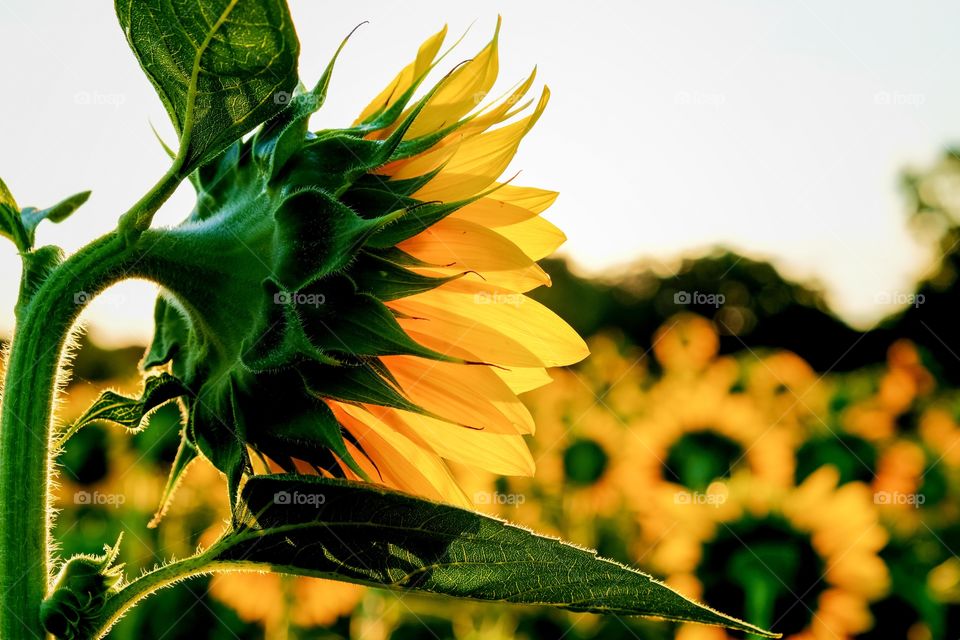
column 763, row 309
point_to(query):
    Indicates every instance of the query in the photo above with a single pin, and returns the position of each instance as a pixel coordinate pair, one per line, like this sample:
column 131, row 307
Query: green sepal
column 217, row 429
column 317, row 235
column 78, row 594
column 284, row 421
column 365, row 534
column 387, row 280
column 363, row 382
column 129, row 412
column 186, row 453
column 285, row 133
column 171, row 333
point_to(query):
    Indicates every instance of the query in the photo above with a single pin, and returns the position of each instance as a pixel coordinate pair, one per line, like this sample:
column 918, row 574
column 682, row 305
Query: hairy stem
column 161, row 577
column 30, row 385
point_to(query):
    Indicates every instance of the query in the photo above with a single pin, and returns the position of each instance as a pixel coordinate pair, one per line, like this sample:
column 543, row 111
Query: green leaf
column 6, row 198
column 360, row 533
column 57, row 213
column 129, row 412
column 221, row 67
column 11, row 225
column 186, row 453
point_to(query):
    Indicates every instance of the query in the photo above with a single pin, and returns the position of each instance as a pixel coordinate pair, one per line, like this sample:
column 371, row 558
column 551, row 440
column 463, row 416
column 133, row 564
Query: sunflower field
column 823, row 504
column 371, row 405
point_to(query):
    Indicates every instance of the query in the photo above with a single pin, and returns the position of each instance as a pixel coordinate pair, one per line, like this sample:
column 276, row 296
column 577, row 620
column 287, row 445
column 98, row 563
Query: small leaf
column 6, row 197
column 129, row 412
column 221, row 67
column 11, row 225
column 57, row 213
column 186, row 454
column 359, row 533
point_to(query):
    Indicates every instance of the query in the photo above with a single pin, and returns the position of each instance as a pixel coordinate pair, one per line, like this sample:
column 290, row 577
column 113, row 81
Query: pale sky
column 778, row 129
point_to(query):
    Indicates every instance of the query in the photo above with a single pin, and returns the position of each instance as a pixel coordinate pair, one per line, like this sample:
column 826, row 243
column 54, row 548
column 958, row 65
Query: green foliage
column 20, row 225
column 254, row 347
column 221, row 67
column 349, row 531
column 129, row 412
column 80, row 591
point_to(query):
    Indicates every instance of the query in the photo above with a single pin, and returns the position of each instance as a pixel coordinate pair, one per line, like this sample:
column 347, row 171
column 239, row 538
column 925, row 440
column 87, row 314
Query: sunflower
column 787, row 388
column 802, row 559
column 696, row 431
column 381, row 300
column 902, row 384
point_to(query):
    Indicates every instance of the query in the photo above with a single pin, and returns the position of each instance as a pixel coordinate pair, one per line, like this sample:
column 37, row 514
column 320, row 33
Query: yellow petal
column 469, row 395
column 536, row 237
column 479, row 160
column 515, row 331
column 399, row 463
column 522, row 379
column 461, row 91
column 494, row 452
column 405, row 79
column 506, row 206
column 466, row 246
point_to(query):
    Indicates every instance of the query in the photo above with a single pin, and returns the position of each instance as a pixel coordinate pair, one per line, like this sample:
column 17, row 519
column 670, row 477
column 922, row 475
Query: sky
column 776, row 129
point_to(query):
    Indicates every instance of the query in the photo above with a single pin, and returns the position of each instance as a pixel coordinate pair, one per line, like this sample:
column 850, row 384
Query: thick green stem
column 29, row 390
column 30, row 384
column 165, row 576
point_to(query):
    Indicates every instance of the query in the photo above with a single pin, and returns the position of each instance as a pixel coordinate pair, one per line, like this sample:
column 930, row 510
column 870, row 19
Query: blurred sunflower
column 415, row 335
column 277, row 601
column 901, row 385
column 786, row 387
column 802, row 559
column 696, row 431
column 686, row 343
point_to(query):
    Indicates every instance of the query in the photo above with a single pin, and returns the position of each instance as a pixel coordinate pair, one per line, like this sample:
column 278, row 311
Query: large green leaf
column 361, row 533
column 221, row 67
